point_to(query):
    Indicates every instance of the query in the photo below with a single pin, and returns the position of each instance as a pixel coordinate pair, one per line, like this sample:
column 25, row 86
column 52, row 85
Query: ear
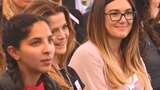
column 13, row 52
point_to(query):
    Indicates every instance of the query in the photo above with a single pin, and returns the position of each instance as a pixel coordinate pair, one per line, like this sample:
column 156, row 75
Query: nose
column 61, row 34
column 49, row 48
column 123, row 19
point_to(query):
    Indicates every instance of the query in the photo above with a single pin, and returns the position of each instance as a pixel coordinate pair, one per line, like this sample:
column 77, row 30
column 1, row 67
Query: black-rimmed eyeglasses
column 117, row 16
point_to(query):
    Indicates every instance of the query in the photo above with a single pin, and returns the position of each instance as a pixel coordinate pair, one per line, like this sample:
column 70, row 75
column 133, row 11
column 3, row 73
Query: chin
column 46, row 69
column 60, row 52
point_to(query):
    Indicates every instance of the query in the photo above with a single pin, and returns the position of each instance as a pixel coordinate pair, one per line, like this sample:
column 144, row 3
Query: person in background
column 64, row 41
column 28, row 45
column 14, row 7
column 78, row 24
column 155, row 23
column 110, row 59
column 2, row 54
column 149, row 41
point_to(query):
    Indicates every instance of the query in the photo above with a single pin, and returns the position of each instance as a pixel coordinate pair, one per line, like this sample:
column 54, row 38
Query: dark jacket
column 152, row 62
column 80, row 28
column 6, row 82
column 73, row 77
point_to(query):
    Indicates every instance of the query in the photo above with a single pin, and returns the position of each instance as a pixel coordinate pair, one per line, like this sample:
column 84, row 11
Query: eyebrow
column 62, row 26
column 119, row 10
column 37, row 38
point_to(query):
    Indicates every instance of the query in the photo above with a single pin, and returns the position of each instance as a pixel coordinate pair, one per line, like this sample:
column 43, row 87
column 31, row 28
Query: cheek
column 67, row 33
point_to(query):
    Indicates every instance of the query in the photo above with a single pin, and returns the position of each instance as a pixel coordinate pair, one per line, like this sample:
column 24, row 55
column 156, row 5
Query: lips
column 46, row 61
column 121, row 27
column 28, row 0
column 60, row 44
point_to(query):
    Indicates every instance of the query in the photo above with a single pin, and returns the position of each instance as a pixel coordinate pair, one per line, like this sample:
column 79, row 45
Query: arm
column 89, row 65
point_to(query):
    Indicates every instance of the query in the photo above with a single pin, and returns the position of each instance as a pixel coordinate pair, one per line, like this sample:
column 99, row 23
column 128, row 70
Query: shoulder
column 6, row 82
column 88, row 48
column 53, row 83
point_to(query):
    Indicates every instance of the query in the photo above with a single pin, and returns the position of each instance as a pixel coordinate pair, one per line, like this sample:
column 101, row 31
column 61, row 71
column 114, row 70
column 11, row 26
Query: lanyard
column 67, row 77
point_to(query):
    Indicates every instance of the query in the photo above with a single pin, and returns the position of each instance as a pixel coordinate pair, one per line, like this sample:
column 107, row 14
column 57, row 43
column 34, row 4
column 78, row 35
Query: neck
column 30, row 78
column 56, row 62
column 20, row 10
column 114, row 45
column 60, row 2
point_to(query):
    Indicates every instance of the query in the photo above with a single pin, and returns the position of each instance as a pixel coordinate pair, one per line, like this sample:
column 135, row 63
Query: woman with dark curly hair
column 28, row 45
column 2, row 55
column 149, row 41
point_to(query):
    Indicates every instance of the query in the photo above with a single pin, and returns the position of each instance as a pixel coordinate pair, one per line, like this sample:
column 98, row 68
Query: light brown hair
column 97, row 34
column 48, row 8
column 2, row 54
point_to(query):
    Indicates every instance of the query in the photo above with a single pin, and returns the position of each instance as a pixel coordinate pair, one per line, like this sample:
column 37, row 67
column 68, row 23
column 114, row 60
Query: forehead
column 120, row 5
column 39, row 28
column 57, row 19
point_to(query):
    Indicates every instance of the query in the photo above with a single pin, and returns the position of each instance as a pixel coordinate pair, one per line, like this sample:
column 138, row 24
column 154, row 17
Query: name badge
column 135, row 82
column 77, row 85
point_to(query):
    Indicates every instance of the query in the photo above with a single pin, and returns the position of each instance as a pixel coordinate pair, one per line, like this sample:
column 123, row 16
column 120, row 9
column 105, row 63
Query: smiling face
column 37, row 50
column 60, row 32
column 118, row 29
column 154, row 8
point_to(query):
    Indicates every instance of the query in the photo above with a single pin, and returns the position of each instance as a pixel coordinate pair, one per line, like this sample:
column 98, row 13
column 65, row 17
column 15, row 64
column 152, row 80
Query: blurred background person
column 14, row 7
column 149, row 41
column 2, row 54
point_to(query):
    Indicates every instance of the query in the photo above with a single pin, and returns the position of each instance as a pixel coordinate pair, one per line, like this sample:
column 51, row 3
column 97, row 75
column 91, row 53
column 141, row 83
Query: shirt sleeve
column 89, row 65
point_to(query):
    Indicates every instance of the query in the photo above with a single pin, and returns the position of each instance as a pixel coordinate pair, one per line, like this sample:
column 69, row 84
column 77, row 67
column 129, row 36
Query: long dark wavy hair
column 2, row 54
column 144, row 10
column 17, row 29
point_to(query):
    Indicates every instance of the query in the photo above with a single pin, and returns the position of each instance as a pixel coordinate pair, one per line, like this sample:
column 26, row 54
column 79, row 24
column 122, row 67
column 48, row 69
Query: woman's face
column 118, row 29
column 60, row 32
column 154, row 8
column 37, row 50
column 21, row 4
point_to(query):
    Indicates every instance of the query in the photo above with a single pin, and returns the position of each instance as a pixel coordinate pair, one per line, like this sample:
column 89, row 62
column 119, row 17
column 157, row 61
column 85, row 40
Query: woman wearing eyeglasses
column 110, row 59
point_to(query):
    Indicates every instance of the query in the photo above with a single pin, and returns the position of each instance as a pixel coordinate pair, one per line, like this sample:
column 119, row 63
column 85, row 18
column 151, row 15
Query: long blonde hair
column 9, row 9
column 2, row 54
column 47, row 8
column 97, row 34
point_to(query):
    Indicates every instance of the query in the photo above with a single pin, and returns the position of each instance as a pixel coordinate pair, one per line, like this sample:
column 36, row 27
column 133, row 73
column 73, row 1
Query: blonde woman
column 110, row 59
column 63, row 36
column 2, row 54
column 14, row 7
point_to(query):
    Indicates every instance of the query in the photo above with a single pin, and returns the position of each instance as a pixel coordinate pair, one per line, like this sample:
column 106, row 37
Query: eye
column 115, row 14
column 128, row 13
column 50, row 40
column 35, row 43
column 65, row 26
column 54, row 31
